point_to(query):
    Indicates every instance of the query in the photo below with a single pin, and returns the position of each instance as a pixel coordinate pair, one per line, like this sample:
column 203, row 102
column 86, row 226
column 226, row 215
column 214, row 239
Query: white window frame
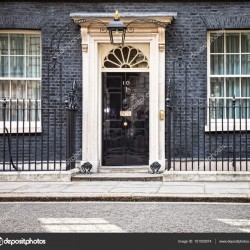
column 224, row 124
column 23, row 126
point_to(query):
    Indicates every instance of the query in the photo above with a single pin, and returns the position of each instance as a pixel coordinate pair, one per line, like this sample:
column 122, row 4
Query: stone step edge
column 117, row 178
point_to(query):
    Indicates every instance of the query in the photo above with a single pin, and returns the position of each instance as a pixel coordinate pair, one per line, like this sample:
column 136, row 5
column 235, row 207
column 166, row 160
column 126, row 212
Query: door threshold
column 123, row 169
column 130, row 166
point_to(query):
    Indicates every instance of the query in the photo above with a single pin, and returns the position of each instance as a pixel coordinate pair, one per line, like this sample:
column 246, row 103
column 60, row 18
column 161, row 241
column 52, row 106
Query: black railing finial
column 71, row 99
column 4, row 103
column 234, row 100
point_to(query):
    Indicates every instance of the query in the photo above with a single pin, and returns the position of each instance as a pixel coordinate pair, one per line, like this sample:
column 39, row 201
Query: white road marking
column 79, row 225
column 242, row 224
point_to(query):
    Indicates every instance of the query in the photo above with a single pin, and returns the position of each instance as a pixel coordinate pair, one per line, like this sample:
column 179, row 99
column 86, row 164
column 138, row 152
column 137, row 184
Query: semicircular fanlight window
column 125, row 57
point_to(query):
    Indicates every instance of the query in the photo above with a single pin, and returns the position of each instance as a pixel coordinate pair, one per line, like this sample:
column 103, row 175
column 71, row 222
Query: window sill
column 228, row 126
column 22, row 128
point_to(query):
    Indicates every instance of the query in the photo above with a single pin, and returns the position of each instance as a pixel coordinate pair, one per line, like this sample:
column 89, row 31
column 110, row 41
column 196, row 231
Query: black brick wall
column 193, row 20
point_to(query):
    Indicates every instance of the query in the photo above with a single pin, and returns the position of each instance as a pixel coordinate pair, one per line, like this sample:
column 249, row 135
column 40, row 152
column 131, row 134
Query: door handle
column 161, row 114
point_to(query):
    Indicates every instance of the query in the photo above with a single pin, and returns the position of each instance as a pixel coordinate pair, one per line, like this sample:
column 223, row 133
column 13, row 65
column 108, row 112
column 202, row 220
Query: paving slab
column 41, row 188
column 11, row 186
column 125, row 191
column 228, row 190
column 174, row 183
column 195, row 189
column 134, row 190
column 88, row 189
column 227, row 185
column 135, row 184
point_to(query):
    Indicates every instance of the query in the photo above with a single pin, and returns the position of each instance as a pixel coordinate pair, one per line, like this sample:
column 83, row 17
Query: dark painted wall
column 187, row 85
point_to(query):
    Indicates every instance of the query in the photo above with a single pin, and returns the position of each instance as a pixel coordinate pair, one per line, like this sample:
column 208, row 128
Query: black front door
column 125, row 119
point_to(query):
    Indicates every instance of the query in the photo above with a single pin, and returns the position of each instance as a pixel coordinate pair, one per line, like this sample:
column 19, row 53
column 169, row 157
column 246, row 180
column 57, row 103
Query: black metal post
column 71, row 108
column 4, row 103
column 234, row 102
column 168, row 111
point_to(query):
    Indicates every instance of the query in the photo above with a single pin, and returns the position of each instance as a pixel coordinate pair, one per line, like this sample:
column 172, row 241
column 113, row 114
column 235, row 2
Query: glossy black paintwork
column 125, row 145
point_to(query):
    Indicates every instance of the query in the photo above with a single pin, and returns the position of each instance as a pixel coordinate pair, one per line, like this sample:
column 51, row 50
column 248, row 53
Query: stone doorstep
column 37, row 176
column 117, row 177
column 206, row 176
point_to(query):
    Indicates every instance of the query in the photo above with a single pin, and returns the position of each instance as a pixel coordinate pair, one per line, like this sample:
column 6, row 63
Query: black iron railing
column 198, row 137
column 35, row 138
column 208, row 138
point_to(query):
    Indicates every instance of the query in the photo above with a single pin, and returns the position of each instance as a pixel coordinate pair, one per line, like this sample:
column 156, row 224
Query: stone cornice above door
column 91, row 20
column 139, row 24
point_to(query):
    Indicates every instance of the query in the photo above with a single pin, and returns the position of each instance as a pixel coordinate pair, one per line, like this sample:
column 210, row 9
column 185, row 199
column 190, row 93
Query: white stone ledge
column 38, row 176
column 204, row 176
column 124, row 14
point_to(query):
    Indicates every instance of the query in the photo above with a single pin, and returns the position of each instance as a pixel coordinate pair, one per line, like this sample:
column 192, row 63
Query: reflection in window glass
column 233, row 64
column 217, row 42
column 16, row 44
column 217, row 64
column 17, row 66
column 232, row 42
column 245, row 42
column 245, row 64
column 3, row 44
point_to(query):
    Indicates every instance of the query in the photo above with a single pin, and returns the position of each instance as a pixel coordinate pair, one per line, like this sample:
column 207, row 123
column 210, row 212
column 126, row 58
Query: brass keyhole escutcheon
column 125, row 124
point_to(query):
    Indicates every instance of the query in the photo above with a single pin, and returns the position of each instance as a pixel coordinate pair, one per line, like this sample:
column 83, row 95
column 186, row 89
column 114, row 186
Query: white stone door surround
column 144, row 34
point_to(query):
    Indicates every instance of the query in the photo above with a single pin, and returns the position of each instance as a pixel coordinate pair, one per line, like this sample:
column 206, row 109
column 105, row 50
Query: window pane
column 245, row 92
column 245, row 42
column 245, row 111
column 7, row 112
column 217, row 64
column 245, row 87
column 216, row 108
column 217, row 42
column 16, row 112
column 33, row 90
column 18, row 89
column 34, row 111
column 230, row 109
column 232, row 42
column 245, row 64
column 17, row 66
column 33, row 46
column 13, row 111
column 217, row 87
column 17, row 44
column 3, row 44
column 232, row 64
column 4, row 89
column 232, row 87
column 4, row 66
column 33, row 66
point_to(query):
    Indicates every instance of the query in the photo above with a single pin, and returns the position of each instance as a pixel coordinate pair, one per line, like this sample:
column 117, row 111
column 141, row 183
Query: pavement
column 125, row 191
